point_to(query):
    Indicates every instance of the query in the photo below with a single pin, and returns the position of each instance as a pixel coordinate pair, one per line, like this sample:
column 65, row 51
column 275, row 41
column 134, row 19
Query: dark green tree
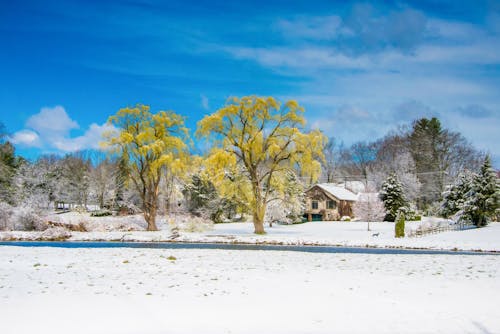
column 425, row 140
column 8, row 166
column 483, row 199
column 393, row 197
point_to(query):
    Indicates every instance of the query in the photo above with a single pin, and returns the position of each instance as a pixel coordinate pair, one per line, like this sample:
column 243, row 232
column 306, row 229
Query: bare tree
column 369, row 208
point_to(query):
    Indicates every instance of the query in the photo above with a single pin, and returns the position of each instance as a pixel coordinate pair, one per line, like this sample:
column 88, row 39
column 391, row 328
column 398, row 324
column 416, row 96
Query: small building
column 326, row 201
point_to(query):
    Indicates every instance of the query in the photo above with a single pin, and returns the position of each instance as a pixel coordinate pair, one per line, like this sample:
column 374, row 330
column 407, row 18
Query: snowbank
column 182, row 229
column 150, row 291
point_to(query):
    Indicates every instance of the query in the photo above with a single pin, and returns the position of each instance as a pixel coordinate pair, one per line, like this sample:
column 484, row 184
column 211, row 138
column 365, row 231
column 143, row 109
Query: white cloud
column 50, row 129
column 89, row 140
column 26, row 138
column 52, row 122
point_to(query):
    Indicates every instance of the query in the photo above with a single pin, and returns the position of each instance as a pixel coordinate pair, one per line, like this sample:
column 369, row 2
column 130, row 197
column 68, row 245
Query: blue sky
column 359, row 68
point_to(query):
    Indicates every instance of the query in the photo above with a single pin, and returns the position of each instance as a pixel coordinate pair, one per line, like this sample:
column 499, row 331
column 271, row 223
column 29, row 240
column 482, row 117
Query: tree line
column 261, row 158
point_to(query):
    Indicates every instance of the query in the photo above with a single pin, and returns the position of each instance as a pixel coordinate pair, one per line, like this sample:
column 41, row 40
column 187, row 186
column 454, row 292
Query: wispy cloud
column 204, row 102
column 363, row 30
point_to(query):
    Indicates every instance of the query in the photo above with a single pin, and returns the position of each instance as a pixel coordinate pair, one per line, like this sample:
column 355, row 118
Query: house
column 326, row 201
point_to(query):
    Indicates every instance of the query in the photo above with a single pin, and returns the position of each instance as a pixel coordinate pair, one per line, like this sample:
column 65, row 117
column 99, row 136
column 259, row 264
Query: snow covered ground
column 54, row 290
column 352, row 234
column 312, row 233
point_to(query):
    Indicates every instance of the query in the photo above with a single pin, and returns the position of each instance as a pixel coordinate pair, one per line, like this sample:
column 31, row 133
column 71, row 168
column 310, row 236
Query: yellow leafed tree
column 258, row 140
column 152, row 145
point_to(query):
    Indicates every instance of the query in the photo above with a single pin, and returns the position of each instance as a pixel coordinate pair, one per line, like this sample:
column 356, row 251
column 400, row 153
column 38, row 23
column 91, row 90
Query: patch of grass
column 37, row 265
column 126, row 261
column 171, row 258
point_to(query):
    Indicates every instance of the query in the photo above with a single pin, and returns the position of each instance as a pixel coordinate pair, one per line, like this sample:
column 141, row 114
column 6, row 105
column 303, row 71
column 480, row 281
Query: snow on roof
column 354, row 186
column 339, row 192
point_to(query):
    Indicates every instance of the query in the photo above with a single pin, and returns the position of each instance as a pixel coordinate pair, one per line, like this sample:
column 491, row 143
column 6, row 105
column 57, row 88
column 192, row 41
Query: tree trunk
column 258, row 219
column 151, row 220
column 150, row 217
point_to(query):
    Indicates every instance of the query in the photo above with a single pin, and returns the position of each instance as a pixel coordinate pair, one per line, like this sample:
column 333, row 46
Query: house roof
column 354, row 186
column 339, row 192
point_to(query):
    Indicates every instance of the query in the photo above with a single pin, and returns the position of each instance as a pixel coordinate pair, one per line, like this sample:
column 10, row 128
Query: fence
column 423, row 230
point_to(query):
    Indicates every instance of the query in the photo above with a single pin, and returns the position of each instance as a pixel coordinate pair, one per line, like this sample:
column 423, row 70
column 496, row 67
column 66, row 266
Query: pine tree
column 483, row 198
column 8, row 166
column 121, row 177
column 456, row 195
column 393, row 197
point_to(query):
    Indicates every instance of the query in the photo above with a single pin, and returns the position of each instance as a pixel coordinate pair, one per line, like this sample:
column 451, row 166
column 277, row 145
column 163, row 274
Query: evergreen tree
column 8, row 166
column 399, row 228
column 121, row 177
column 425, row 139
column 455, row 197
column 199, row 193
column 483, row 198
column 393, row 197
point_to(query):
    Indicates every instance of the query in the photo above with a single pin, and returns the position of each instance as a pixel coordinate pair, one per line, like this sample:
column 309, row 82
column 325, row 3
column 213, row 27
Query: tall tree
column 150, row 144
column 455, row 196
column 331, row 164
column 8, row 165
column 483, row 199
column 440, row 156
column 355, row 162
column 76, row 168
column 393, row 197
column 102, row 181
column 424, row 144
column 268, row 140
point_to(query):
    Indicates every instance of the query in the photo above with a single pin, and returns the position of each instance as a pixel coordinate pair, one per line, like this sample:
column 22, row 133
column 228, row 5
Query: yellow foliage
column 264, row 139
column 152, row 145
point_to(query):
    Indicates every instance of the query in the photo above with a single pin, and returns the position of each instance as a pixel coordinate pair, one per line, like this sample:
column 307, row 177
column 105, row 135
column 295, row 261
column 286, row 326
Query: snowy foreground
column 313, row 233
column 185, row 229
column 56, row 290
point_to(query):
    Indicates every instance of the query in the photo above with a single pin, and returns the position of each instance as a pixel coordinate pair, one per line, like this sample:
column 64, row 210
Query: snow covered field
column 352, row 234
column 54, row 290
column 312, row 233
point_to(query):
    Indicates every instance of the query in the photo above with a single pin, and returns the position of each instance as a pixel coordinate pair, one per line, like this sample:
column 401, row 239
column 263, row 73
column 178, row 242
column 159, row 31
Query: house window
column 314, row 205
column 331, row 204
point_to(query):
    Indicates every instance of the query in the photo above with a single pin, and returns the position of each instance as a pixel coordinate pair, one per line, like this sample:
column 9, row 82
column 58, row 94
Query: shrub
column 345, row 219
column 26, row 219
column 55, row 234
column 190, row 224
column 399, row 228
column 101, row 213
column 5, row 215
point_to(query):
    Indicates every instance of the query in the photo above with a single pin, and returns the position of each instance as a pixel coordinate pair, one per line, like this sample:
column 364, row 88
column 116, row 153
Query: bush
column 191, row 224
column 345, row 219
column 417, row 218
column 6, row 212
column 101, row 213
column 399, row 228
column 26, row 219
column 55, row 234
